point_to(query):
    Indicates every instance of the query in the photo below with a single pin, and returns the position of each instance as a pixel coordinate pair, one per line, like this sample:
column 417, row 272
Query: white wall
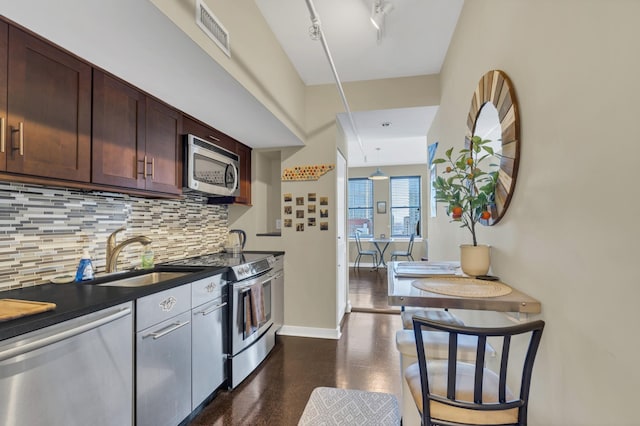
column 570, row 235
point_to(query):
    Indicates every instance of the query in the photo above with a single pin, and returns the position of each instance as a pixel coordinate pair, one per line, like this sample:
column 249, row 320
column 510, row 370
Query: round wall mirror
column 494, row 116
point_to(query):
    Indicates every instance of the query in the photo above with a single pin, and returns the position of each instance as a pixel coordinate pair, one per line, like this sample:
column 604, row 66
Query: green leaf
column 438, row 161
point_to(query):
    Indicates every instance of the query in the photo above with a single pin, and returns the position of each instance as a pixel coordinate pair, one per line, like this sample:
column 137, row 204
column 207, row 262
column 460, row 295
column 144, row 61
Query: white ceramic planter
column 475, row 260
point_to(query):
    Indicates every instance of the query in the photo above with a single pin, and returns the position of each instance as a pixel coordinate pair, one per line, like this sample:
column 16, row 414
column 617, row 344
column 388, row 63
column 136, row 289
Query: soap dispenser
column 85, row 268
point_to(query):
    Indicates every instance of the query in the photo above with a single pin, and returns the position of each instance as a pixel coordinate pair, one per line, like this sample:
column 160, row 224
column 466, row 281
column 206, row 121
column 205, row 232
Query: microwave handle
column 235, row 175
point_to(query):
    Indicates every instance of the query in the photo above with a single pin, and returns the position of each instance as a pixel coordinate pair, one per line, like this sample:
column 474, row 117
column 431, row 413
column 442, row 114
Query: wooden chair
column 453, row 392
column 361, row 252
column 403, row 253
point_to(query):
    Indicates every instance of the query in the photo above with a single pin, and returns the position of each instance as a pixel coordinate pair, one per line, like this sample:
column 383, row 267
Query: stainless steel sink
column 145, row 279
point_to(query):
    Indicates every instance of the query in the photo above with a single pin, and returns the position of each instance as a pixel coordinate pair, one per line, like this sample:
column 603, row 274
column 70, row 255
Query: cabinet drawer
column 161, row 306
column 206, row 289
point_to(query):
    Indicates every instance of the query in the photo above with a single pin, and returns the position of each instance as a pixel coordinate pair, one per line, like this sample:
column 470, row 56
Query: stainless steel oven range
column 252, row 323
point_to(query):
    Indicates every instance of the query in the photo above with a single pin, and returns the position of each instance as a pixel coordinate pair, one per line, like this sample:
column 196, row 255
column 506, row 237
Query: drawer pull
column 171, row 328
column 212, row 310
column 214, row 138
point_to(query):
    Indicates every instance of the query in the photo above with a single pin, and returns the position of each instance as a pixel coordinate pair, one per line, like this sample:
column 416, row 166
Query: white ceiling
column 415, row 40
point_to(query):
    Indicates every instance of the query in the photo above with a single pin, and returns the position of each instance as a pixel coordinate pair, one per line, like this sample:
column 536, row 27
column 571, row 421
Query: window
column 405, row 205
column 361, row 207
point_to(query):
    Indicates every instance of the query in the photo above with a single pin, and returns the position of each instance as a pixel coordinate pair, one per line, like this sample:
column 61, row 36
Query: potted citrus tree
column 468, row 192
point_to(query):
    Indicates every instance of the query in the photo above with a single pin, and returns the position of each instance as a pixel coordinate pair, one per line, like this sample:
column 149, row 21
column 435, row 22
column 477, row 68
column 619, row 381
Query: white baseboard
column 318, row 333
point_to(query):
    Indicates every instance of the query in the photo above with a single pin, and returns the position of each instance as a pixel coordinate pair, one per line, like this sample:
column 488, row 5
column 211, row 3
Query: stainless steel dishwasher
column 163, row 357
column 208, row 335
column 79, row 372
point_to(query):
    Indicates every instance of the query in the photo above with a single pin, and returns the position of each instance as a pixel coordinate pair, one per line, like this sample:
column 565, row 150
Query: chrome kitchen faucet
column 113, row 249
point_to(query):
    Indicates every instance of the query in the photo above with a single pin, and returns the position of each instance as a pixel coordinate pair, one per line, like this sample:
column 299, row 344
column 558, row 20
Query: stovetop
column 243, row 265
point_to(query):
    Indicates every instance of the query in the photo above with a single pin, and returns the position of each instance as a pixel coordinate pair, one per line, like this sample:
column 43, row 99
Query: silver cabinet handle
column 171, row 328
column 3, row 136
column 212, row 310
column 20, row 131
column 214, row 138
column 65, row 334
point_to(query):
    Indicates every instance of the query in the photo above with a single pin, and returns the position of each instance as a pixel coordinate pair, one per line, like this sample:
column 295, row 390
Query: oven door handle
column 263, row 279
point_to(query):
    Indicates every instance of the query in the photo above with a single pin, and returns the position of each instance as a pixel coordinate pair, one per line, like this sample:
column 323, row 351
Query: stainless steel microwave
column 210, row 169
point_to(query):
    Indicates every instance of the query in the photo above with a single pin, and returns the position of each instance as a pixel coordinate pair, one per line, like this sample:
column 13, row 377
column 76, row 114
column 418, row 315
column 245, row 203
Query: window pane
column 405, row 205
column 361, row 207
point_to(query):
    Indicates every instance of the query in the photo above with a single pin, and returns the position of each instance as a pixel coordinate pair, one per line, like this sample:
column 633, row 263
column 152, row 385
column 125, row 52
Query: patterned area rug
column 333, row 406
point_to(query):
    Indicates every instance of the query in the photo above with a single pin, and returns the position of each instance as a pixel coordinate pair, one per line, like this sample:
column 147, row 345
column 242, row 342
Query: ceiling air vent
column 212, row 27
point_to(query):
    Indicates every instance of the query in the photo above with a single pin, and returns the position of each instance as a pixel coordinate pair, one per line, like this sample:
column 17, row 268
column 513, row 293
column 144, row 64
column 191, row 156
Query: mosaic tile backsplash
column 43, row 230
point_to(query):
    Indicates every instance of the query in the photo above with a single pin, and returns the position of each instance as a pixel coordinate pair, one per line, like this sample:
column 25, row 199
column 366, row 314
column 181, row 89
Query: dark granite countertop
column 77, row 299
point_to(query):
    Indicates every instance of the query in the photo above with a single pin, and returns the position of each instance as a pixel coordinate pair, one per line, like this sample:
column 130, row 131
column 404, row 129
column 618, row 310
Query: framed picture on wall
column 381, row 207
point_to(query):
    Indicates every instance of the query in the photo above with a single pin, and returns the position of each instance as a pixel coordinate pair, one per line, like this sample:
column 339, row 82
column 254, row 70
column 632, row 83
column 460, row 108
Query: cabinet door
column 49, row 105
column 207, row 133
column 118, row 133
column 162, row 172
column 163, row 372
column 244, row 152
column 4, row 39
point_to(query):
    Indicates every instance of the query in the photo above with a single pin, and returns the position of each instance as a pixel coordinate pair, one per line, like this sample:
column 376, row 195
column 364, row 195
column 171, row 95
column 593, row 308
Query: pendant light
column 378, row 175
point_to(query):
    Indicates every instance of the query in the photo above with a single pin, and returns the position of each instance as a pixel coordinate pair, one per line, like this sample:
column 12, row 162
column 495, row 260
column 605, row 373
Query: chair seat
column 432, row 314
column 437, row 375
column 333, row 406
column 400, row 253
column 437, row 345
column 369, row 252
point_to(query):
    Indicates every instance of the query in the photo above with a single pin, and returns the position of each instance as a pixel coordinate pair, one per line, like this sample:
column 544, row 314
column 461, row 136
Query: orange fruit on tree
column 457, row 211
column 470, row 161
column 485, row 215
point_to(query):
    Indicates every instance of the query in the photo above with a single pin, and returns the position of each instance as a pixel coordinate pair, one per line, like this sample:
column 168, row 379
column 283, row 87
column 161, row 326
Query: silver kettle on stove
column 237, row 237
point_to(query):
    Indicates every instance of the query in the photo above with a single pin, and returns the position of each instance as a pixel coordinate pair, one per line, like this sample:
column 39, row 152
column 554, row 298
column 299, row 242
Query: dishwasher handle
column 170, row 328
column 66, row 334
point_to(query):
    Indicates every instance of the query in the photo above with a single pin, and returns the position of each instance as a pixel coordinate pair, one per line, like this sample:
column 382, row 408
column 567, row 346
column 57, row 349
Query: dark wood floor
column 368, row 290
column 364, row 358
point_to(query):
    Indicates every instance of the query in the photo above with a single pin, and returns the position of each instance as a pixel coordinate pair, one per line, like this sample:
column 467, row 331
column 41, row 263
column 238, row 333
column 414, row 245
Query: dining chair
column 404, row 253
column 454, row 392
column 361, row 252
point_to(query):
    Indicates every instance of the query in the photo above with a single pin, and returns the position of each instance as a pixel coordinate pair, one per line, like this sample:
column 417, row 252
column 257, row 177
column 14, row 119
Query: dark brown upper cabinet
column 47, row 121
column 4, row 47
column 244, row 152
column 163, row 171
column 135, row 138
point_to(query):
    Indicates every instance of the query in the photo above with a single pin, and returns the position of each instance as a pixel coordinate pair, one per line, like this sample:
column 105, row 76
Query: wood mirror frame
column 495, row 87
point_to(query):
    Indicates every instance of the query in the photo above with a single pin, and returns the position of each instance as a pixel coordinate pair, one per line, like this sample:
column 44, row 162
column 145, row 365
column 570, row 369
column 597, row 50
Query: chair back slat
column 410, row 248
column 358, row 243
column 504, row 361
column 453, row 357
column 479, row 373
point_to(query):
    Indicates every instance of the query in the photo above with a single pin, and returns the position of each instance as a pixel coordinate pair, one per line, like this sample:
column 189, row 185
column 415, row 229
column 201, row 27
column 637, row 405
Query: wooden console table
column 401, row 292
